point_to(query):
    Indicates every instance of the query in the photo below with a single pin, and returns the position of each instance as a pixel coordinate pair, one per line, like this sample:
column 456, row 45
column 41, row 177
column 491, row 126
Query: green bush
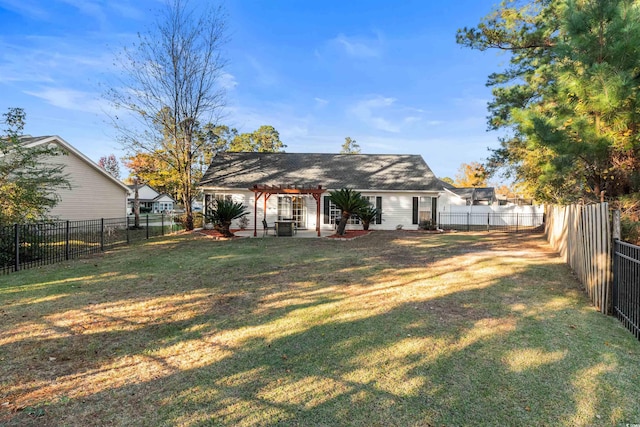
column 630, row 230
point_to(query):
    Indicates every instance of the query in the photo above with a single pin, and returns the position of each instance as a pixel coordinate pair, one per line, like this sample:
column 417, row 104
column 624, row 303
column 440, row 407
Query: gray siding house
column 277, row 186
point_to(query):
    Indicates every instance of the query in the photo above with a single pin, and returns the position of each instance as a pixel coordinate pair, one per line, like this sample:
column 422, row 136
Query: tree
column 368, row 214
column 471, row 175
column 170, row 85
column 111, row 165
column 265, row 139
column 350, row 146
column 224, row 212
column 447, row 179
column 151, row 169
column 349, row 202
column 569, row 99
column 28, row 177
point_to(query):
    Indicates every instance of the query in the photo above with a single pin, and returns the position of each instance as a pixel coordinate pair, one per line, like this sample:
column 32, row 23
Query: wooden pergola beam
column 268, row 190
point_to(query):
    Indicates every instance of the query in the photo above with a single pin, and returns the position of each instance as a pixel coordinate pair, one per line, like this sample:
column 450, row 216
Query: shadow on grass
column 394, row 331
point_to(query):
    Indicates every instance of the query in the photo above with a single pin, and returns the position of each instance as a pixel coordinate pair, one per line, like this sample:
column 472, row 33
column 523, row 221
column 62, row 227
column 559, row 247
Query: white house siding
column 397, row 209
column 92, row 196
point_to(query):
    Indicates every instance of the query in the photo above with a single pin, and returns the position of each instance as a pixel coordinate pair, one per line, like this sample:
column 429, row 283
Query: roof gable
column 30, row 141
column 400, row 172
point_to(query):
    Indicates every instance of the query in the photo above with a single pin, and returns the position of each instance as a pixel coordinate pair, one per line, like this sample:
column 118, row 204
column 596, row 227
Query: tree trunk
column 225, row 229
column 136, row 204
column 343, row 224
column 365, row 225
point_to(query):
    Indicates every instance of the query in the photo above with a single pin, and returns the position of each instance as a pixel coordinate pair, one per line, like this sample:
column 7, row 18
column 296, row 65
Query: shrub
column 426, row 224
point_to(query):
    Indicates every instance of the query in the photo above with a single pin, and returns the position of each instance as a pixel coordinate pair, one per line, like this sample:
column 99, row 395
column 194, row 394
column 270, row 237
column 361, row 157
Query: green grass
column 391, row 329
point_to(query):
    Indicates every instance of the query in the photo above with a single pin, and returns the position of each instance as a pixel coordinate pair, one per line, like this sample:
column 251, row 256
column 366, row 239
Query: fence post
column 616, row 225
column 16, row 235
column 102, row 234
column 488, row 221
column 66, row 246
column 468, row 224
column 516, row 222
column 162, row 222
column 147, row 226
column 127, row 227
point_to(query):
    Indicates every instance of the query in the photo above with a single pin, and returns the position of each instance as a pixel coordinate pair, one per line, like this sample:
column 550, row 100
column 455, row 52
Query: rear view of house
column 277, row 186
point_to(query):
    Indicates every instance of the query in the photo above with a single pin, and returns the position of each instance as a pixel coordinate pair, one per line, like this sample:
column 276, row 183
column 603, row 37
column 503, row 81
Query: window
column 210, row 200
column 424, row 209
column 335, row 213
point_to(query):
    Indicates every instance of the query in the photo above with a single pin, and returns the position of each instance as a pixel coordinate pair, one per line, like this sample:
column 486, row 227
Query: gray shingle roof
column 332, row 171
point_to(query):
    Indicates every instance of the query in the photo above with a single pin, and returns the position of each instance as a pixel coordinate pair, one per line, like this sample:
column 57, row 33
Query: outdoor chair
column 266, row 228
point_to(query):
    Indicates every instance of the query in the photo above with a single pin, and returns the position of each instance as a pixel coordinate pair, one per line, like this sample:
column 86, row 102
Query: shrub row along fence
column 582, row 236
column 499, row 221
column 29, row 245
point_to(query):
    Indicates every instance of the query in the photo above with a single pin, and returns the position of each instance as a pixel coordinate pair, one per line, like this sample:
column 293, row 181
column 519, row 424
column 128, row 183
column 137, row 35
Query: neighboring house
column 469, row 196
column 94, row 192
column 277, row 186
column 151, row 201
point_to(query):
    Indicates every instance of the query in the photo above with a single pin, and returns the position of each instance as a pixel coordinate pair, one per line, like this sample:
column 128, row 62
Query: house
column 94, row 192
column 151, row 200
column 469, row 196
column 278, row 186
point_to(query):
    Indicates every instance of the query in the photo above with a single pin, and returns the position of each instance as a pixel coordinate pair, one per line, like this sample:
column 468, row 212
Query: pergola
column 268, row 190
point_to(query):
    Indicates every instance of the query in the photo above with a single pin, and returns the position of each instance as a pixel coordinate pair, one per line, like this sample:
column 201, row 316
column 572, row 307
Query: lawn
column 390, row 329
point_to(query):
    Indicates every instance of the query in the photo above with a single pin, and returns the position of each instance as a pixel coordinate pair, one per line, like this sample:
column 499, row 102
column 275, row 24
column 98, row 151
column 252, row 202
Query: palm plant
column 223, row 213
column 367, row 214
column 350, row 202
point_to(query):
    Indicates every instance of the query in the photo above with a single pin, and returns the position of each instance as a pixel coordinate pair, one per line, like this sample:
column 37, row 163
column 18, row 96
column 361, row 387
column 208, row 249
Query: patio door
column 293, row 208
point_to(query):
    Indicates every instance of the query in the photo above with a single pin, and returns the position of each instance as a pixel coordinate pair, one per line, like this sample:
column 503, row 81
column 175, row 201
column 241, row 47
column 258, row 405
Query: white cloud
column 320, row 102
column 370, row 111
column 70, row 99
column 228, row 81
column 359, row 47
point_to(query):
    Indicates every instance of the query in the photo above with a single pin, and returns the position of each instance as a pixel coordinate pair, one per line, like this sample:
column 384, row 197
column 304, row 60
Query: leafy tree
column 151, row 169
column 111, row 165
column 350, row 202
column 350, row 146
column 224, row 212
column 28, row 177
column 265, row 139
column 471, row 175
column 569, row 98
column 447, row 179
column 170, row 85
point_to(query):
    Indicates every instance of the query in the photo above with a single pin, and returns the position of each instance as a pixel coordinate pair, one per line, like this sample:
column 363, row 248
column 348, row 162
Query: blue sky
column 387, row 74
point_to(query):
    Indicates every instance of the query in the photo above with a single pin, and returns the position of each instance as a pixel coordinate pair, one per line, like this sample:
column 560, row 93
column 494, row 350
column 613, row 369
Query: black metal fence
column 29, row 245
column 511, row 222
column 626, row 285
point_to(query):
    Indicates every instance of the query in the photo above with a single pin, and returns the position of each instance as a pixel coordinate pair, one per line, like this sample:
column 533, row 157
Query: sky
column 388, row 74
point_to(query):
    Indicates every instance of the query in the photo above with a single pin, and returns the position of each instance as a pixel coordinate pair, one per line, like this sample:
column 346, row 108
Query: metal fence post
column 162, row 222
column 66, row 246
column 127, row 227
column 468, row 224
column 102, row 234
column 147, row 226
column 488, row 220
column 16, row 235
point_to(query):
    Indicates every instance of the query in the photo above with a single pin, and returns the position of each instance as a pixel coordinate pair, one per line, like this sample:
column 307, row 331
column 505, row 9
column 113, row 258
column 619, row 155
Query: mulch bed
column 217, row 235
column 350, row 234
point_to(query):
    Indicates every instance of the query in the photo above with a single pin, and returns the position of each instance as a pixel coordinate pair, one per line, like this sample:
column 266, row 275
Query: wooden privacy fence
column 582, row 236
